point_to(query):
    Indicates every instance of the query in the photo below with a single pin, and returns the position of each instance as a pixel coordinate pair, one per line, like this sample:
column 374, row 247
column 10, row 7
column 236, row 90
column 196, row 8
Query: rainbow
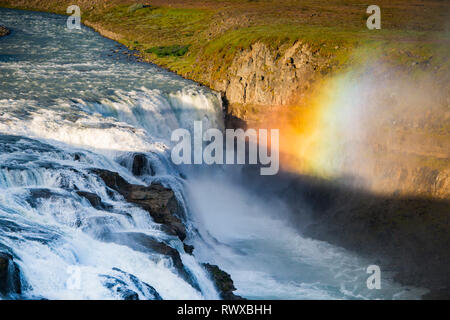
column 314, row 135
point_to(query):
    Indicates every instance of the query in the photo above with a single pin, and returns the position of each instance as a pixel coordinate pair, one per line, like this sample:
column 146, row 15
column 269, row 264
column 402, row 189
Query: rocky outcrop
column 10, row 283
column 117, row 283
column 188, row 248
column 93, row 199
column 141, row 165
column 223, row 282
column 147, row 244
column 265, row 77
column 158, row 201
column 4, row 31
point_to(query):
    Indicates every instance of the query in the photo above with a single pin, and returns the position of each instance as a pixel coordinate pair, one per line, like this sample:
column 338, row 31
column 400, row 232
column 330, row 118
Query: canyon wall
column 403, row 150
column 263, row 77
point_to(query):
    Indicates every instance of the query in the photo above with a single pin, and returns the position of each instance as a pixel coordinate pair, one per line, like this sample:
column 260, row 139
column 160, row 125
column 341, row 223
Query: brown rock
column 188, row 248
column 9, row 275
column 141, row 165
column 264, row 77
column 147, row 244
column 93, row 199
column 158, row 201
column 223, row 282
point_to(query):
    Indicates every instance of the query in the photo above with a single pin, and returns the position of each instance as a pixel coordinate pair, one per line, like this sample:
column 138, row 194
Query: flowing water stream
column 70, row 102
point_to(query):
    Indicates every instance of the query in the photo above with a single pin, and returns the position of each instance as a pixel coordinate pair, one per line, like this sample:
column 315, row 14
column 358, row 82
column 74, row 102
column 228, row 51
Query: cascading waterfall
column 58, row 120
column 69, row 103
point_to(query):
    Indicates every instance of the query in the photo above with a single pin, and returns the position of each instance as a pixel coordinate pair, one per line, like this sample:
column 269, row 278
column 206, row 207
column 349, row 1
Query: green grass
column 163, row 22
column 200, row 39
column 175, row 50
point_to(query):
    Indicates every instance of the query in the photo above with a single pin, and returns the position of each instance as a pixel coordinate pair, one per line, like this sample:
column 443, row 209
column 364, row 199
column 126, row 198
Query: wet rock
column 120, row 281
column 113, row 180
column 223, row 282
column 162, row 205
column 4, row 31
column 41, row 193
column 262, row 76
column 188, row 248
column 93, row 199
column 158, row 201
column 147, row 244
column 9, row 275
column 142, row 242
column 141, row 165
column 233, row 122
column 37, row 194
column 139, row 162
column 77, row 156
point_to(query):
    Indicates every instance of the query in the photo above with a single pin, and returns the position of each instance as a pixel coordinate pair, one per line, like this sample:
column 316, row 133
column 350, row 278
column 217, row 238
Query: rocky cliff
column 261, row 76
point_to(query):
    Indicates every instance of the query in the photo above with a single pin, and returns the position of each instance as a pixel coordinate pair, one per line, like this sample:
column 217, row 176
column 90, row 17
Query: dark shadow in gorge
column 409, row 236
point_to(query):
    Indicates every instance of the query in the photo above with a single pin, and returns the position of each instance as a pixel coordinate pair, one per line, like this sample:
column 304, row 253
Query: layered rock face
column 158, row 201
column 223, row 282
column 264, row 77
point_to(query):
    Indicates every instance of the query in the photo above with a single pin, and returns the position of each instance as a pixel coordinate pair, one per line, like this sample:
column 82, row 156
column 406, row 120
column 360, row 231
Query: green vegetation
column 175, row 50
column 200, row 38
column 135, row 7
column 156, row 26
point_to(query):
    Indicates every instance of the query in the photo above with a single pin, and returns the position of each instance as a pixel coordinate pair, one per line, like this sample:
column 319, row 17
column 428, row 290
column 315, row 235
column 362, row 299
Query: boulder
column 147, row 244
column 141, row 165
column 9, row 275
column 119, row 283
column 158, row 201
column 223, row 282
column 93, row 199
column 112, row 180
column 38, row 194
column 162, row 205
column 188, row 248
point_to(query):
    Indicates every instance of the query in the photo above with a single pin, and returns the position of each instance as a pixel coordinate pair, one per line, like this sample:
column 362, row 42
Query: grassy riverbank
column 199, row 38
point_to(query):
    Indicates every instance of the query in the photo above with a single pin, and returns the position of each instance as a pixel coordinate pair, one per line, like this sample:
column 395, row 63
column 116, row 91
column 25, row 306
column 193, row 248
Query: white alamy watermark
column 374, row 280
column 208, row 147
column 374, row 20
column 74, row 21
